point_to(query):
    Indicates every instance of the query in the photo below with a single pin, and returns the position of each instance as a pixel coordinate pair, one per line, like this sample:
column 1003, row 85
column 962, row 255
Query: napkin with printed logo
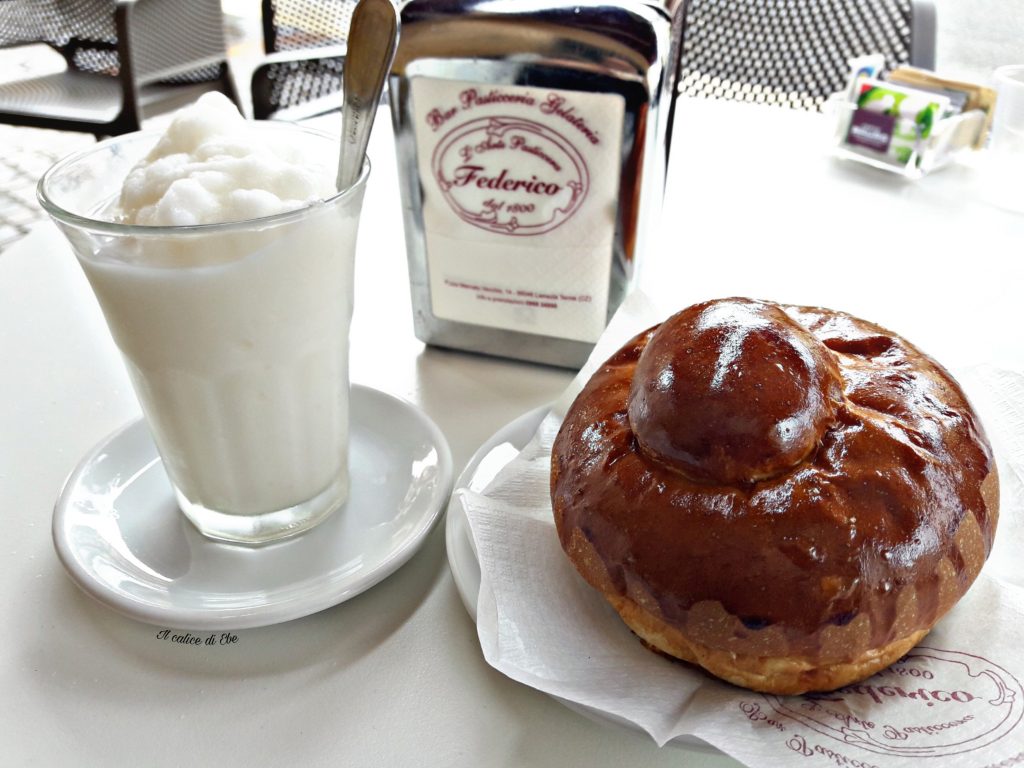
column 957, row 697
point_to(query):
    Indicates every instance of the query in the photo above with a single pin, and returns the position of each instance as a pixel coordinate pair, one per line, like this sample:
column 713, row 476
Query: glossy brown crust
column 732, row 392
column 856, row 546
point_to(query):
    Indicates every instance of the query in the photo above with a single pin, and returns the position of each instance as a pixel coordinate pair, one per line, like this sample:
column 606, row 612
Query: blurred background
column 976, row 36
column 973, row 37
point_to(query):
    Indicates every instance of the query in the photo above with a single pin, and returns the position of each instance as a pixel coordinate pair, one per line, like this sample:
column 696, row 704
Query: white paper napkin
column 955, row 700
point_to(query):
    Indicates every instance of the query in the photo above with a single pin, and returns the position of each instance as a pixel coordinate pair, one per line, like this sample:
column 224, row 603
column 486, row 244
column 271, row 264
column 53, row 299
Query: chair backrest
column 83, row 31
column 167, row 32
column 292, row 25
column 163, row 34
column 792, row 53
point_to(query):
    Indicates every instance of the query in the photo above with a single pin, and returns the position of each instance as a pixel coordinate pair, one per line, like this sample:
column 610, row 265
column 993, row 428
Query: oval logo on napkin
column 930, row 703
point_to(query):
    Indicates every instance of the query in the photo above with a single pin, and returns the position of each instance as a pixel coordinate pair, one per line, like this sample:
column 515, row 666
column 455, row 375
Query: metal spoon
column 372, row 41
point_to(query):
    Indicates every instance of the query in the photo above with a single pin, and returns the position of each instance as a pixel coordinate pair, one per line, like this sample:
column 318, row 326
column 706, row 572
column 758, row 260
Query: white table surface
column 395, row 676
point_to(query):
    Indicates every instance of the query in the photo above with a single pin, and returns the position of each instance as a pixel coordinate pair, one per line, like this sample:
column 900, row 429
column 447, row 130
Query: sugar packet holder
column 911, row 122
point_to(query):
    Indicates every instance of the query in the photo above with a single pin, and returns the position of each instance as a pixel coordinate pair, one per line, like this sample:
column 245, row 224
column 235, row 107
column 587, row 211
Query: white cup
column 235, row 337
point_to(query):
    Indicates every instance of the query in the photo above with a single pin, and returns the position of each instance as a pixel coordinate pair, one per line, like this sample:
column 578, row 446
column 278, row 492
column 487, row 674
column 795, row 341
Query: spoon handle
column 372, row 41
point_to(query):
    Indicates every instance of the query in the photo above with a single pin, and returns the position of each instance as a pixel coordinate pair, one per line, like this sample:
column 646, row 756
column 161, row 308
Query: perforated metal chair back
column 306, row 42
column 795, row 53
column 82, row 31
column 140, row 47
column 293, row 25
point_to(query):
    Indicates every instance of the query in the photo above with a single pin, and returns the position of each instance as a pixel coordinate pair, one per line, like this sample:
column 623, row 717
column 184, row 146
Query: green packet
column 893, row 121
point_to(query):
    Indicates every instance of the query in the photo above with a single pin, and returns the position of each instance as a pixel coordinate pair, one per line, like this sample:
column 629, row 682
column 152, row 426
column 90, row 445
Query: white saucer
column 503, row 446
column 122, row 538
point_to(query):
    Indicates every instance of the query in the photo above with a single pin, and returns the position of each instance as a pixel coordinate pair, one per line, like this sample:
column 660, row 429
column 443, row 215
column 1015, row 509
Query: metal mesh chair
column 794, row 52
column 305, row 41
column 125, row 59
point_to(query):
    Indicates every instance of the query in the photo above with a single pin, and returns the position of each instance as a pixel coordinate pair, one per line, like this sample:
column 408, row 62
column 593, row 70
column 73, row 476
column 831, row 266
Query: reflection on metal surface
column 627, row 49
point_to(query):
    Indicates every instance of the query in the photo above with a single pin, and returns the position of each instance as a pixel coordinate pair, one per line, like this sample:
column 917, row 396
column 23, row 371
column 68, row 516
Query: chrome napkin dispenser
column 532, row 142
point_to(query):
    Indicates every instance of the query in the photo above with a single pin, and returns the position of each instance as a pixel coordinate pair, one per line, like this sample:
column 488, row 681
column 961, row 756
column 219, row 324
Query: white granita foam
column 213, row 166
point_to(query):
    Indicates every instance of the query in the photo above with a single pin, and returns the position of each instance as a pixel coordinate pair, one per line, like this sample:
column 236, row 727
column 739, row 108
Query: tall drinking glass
column 235, row 337
column 1006, row 146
